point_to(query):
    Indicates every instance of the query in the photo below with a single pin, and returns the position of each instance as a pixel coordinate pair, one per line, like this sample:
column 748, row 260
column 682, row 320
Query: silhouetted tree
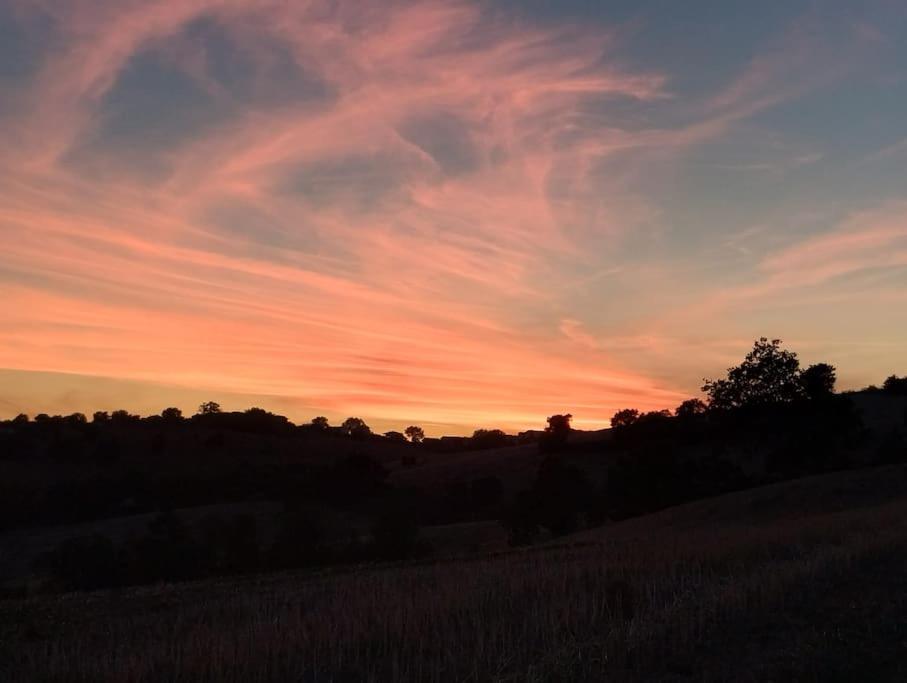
column 100, row 417
column 415, row 434
column 556, row 433
column 624, row 418
column 655, row 416
column 395, row 436
column 895, row 385
column 20, row 419
column 768, row 374
column 818, row 381
column 488, row 438
column 76, row 419
column 320, row 423
column 559, row 425
column 690, row 408
column 355, row 427
column 209, row 408
column 121, row 416
column 172, row 414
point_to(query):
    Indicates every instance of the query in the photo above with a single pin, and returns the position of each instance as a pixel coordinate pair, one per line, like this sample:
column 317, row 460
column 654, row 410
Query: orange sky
column 422, row 212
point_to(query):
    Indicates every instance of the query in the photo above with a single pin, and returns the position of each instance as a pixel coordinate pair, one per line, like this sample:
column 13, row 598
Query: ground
column 797, row 581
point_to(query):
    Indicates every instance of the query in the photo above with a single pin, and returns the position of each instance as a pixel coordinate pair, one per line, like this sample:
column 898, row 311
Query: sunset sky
column 454, row 214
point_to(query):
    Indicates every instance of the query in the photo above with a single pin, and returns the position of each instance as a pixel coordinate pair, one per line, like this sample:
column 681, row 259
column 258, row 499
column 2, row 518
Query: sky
column 457, row 214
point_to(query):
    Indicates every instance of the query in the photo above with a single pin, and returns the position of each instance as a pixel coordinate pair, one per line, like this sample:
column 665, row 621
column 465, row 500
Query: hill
column 800, row 580
column 241, row 492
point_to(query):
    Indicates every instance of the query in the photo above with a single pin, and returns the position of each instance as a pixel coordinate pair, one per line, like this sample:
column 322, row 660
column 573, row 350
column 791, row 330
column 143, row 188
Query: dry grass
column 615, row 606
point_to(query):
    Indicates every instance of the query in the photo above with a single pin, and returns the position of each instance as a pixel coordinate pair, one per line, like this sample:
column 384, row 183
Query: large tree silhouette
column 355, row 427
column 624, row 418
column 769, row 374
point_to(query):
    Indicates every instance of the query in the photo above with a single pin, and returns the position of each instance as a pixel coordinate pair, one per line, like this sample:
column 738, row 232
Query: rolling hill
column 800, row 580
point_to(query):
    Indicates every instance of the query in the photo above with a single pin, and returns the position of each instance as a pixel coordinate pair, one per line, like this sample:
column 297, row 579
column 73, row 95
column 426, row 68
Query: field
column 798, row 581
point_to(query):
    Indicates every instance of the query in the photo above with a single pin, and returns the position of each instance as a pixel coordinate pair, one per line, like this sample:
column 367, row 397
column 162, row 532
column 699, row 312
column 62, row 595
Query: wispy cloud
column 378, row 208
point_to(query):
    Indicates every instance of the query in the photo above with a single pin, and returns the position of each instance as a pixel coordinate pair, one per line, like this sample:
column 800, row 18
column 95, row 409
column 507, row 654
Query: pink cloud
column 383, row 274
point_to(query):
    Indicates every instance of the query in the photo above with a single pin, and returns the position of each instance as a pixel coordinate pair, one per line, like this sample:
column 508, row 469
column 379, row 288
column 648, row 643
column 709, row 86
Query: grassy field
column 797, row 581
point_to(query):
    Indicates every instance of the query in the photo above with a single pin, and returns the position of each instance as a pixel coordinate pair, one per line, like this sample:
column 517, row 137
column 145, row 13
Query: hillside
column 796, row 581
column 272, row 495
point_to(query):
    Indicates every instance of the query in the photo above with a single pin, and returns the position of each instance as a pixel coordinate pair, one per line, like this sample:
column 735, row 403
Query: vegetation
column 166, row 498
column 677, row 596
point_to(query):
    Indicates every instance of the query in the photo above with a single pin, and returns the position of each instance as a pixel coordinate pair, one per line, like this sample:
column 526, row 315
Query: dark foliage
column 769, row 374
column 555, row 436
column 172, row 414
column 818, row 381
column 690, row 409
column 624, row 418
column 415, row 434
column 355, row 428
column 651, row 480
column 320, row 423
column 895, row 385
column 209, row 408
column 489, row 438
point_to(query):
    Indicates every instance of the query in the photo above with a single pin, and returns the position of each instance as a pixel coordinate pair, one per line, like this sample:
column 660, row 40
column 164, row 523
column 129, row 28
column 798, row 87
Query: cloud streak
column 364, row 244
column 371, row 208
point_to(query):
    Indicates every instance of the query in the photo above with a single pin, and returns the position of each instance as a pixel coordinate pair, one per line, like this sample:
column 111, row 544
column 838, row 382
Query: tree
column 624, row 418
column 20, row 419
column 415, row 434
column 209, row 408
column 818, row 381
column 768, row 374
column 556, row 433
column 655, row 415
column 395, row 436
column 488, row 438
column 100, row 417
column 355, row 427
column 559, row 425
column 320, row 423
column 895, row 385
column 172, row 414
column 690, row 408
